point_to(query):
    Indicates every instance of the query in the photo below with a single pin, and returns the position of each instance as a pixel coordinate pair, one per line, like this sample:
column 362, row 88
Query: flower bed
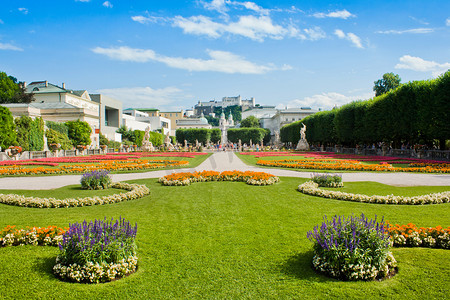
column 111, row 165
column 45, row 236
column 98, row 251
column 411, row 236
column 352, row 249
column 348, row 165
column 135, row 191
column 252, row 178
column 312, row 188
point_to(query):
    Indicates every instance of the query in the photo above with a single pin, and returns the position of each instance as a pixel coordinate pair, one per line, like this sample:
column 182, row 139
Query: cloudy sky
column 171, row 54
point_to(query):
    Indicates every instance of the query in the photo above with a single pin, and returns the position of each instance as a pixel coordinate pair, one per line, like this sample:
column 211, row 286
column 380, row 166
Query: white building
column 58, row 104
column 194, row 123
column 260, row 112
column 138, row 120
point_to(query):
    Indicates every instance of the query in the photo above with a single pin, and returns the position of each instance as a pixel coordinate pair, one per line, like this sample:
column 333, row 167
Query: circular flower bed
column 252, row 178
column 98, row 251
column 312, row 188
column 135, row 191
column 352, row 249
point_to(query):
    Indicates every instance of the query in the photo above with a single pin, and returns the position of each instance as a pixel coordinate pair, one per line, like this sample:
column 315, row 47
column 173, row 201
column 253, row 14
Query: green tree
column 8, row 88
column 389, row 82
column 127, row 134
column 79, row 132
column 250, row 122
column 7, row 128
column 11, row 91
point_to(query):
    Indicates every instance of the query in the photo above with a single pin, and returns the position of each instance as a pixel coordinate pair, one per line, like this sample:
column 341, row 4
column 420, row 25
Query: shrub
column 79, row 132
column 352, row 248
column 7, row 128
column 98, row 251
column 327, row 180
column 56, row 137
column 96, row 180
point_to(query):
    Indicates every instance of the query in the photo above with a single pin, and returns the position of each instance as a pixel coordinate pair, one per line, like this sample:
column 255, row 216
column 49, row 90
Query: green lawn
column 218, row 240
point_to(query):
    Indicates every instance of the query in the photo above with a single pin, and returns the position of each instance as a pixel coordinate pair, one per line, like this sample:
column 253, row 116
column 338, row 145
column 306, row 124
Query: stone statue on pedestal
column 303, row 143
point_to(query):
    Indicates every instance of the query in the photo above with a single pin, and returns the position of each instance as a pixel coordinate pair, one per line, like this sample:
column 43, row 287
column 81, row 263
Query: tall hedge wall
column 416, row 112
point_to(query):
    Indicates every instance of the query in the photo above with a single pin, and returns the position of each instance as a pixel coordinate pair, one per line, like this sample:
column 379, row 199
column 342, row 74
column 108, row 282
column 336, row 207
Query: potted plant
column 14, row 150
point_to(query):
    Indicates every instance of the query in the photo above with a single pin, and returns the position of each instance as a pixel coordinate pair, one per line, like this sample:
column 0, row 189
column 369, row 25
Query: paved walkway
column 226, row 161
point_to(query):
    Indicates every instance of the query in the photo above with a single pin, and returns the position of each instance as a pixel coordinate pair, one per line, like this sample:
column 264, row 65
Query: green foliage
column 139, row 137
column 250, row 122
column 203, row 135
column 127, row 134
column 7, row 128
column 30, row 133
column 390, row 81
column 156, row 138
column 11, row 91
column 114, row 144
column 56, row 137
column 8, row 89
column 235, row 110
column 103, row 141
column 212, row 121
column 216, row 135
column 79, row 132
column 57, row 126
column 256, row 135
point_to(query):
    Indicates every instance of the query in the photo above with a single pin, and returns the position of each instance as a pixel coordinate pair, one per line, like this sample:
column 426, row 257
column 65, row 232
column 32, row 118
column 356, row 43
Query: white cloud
column 217, row 5
column 356, row 41
column 315, row 33
column 107, row 4
column 256, row 28
column 325, row 101
column 198, row 25
column 219, row 61
column 140, row 97
column 420, row 65
column 82, row 0
column 4, row 46
column 23, row 10
column 414, row 30
column 341, row 14
column 447, row 22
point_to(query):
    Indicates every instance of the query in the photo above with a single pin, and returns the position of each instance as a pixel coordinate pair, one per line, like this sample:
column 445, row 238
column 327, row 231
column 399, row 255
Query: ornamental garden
column 232, row 234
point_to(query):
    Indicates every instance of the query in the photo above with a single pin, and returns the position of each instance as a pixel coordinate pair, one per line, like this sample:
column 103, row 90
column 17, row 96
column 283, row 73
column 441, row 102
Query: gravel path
column 226, row 161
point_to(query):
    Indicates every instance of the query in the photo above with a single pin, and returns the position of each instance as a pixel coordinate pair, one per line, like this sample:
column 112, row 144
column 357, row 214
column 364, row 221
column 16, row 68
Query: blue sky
column 171, row 54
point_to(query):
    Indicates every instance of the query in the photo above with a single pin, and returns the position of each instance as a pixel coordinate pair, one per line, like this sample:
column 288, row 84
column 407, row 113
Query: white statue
column 303, row 143
column 303, row 132
column 146, row 141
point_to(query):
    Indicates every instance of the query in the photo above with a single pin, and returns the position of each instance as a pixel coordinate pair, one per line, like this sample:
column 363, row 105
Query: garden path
column 227, row 161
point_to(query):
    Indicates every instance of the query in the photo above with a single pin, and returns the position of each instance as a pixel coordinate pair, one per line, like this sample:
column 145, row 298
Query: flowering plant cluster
column 98, row 251
column 369, row 158
column 312, row 188
column 252, row 178
column 347, row 165
column 18, row 149
column 96, row 180
column 113, row 165
column 46, row 236
column 410, row 235
column 352, row 248
column 328, row 180
column 135, row 191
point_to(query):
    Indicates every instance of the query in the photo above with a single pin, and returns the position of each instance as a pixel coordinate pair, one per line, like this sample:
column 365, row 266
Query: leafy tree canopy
column 79, row 132
column 250, row 122
column 389, row 82
column 11, row 91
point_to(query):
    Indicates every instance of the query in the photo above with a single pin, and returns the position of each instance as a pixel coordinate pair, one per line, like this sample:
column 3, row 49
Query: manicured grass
column 227, row 240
